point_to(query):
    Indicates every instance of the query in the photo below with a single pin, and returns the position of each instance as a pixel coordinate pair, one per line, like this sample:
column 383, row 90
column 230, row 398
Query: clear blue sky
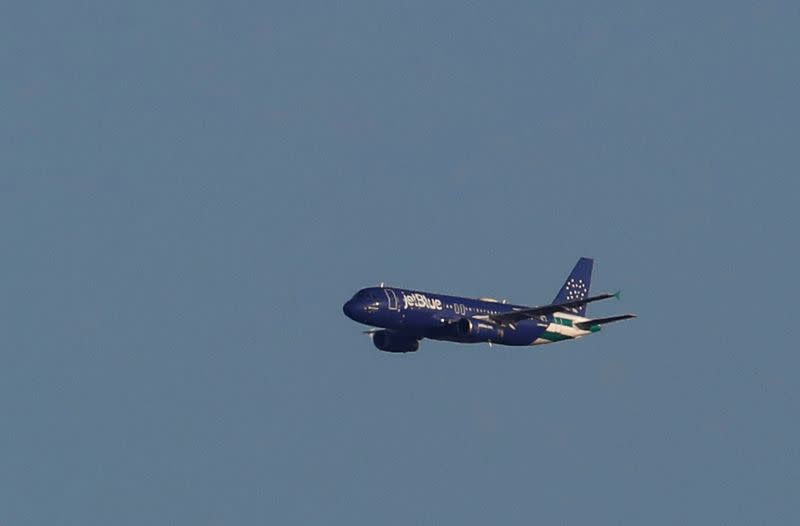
column 190, row 190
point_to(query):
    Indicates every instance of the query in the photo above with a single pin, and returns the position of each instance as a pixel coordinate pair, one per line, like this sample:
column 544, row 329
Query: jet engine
column 479, row 329
column 393, row 342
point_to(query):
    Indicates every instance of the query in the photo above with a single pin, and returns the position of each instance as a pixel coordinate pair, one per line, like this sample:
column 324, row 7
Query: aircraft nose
column 349, row 309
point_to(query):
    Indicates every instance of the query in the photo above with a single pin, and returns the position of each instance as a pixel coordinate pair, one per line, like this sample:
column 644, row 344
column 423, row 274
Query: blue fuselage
column 436, row 316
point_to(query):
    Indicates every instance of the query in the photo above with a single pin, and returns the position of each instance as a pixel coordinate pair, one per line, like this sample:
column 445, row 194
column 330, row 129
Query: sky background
column 189, row 191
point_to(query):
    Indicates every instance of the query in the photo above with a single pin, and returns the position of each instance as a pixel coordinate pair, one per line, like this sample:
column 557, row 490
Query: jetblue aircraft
column 405, row 317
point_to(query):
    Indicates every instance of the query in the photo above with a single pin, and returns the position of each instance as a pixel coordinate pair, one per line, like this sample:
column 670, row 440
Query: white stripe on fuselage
column 567, row 332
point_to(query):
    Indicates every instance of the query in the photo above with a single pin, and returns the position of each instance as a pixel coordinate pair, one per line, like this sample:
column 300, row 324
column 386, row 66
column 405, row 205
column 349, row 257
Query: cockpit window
column 370, row 295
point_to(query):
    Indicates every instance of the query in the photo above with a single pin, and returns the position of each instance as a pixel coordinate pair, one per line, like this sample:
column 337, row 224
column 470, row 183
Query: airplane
column 403, row 317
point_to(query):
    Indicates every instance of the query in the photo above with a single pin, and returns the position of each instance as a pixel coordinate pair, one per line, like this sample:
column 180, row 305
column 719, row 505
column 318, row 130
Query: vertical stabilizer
column 577, row 285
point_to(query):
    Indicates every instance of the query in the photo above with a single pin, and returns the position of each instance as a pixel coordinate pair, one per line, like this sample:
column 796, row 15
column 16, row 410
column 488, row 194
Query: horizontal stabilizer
column 586, row 325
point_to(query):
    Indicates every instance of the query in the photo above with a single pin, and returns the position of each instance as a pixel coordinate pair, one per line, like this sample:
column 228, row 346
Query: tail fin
column 577, row 285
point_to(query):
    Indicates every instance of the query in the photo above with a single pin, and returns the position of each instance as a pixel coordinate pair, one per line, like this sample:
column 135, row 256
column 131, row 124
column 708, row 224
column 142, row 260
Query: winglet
column 618, row 294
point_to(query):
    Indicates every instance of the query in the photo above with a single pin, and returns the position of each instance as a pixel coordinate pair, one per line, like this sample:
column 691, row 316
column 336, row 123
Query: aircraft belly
column 424, row 324
column 522, row 333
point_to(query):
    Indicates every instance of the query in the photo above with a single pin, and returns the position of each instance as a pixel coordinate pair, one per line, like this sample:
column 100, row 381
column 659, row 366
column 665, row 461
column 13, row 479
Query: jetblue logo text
column 421, row 300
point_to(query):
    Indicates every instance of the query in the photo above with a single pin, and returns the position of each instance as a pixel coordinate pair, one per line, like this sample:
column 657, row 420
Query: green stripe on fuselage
column 554, row 336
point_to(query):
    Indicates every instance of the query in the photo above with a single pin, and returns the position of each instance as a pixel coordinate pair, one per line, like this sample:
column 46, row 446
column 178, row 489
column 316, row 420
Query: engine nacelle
column 392, row 342
column 479, row 329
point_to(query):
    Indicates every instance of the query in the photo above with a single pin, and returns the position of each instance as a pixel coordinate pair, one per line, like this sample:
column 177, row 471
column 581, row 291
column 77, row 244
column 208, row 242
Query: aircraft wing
column 535, row 312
